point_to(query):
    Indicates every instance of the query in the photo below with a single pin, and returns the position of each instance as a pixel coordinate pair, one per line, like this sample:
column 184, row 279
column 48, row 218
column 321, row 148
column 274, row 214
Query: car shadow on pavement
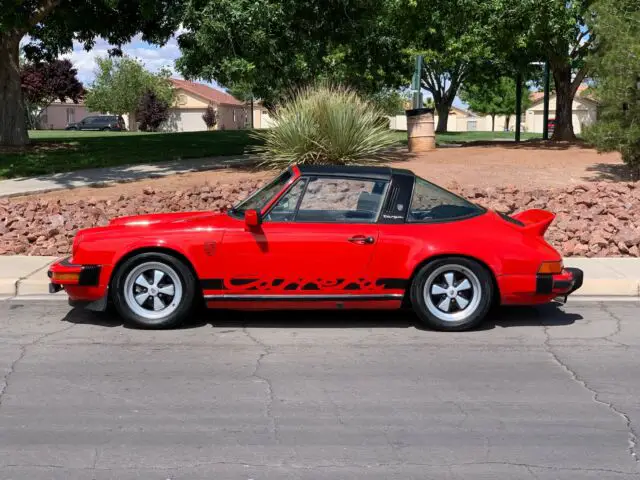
column 503, row 317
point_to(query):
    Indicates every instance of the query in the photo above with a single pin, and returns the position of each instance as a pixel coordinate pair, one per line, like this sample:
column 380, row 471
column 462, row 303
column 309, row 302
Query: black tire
column 177, row 272
column 106, row 129
column 478, row 298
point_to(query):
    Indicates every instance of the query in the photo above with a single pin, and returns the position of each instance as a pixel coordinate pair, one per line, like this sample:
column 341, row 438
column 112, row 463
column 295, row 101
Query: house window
column 71, row 115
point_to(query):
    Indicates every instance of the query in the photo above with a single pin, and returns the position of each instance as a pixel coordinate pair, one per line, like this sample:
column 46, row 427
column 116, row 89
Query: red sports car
column 321, row 238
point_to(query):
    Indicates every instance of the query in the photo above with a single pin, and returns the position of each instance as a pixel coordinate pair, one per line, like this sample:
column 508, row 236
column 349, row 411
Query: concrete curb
column 26, row 276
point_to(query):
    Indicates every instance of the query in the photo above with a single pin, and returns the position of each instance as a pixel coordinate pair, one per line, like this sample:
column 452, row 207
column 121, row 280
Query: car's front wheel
column 154, row 290
column 452, row 293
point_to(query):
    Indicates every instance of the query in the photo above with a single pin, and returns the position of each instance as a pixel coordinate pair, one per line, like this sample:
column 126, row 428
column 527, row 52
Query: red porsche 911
column 321, row 238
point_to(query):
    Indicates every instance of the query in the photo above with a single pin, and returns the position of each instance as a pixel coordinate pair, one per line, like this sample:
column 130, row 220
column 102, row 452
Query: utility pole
column 545, row 116
column 416, row 84
column 518, row 104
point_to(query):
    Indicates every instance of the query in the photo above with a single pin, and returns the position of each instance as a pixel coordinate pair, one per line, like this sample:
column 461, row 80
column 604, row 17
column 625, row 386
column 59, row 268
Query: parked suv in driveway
column 99, row 122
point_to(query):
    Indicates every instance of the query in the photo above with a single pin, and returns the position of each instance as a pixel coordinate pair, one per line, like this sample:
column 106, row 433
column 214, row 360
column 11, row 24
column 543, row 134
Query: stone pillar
column 420, row 130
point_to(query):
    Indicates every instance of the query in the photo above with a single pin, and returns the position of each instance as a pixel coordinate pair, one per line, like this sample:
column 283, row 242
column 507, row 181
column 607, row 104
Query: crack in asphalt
column 336, row 409
column 632, row 436
column 23, row 352
column 618, row 330
column 271, row 396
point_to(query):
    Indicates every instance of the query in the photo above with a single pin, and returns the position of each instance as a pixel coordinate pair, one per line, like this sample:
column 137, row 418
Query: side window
column 432, row 203
column 341, row 200
column 285, row 209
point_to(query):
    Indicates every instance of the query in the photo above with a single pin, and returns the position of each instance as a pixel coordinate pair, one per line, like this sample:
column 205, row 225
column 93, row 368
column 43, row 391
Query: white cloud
column 153, row 57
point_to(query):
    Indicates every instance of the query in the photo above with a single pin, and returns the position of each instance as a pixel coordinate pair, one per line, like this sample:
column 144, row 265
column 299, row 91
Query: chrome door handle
column 362, row 240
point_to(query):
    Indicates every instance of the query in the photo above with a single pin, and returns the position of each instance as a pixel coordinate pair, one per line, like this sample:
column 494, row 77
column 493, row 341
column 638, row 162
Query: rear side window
column 432, row 203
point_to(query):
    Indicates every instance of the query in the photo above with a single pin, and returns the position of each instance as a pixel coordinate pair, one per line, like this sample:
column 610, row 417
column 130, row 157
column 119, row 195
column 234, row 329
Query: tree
column 278, row 46
column 460, row 41
column 617, row 75
column 152, row 111
column 53, row 25
column 44, row 82
column 389, row 101
column 560, row 33
column 120, row 85
column 495, row 98
column 210, row 117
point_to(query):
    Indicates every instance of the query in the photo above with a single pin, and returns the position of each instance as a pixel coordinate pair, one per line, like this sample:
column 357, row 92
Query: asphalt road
column 538, row 394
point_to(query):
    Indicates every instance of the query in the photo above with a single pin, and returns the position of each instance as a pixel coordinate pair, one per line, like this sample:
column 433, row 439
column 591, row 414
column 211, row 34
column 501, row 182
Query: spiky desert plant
column 326, row 124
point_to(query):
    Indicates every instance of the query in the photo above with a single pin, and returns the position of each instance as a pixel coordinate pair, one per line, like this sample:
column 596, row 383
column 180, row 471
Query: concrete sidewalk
column 124, row 173
column 604, row 277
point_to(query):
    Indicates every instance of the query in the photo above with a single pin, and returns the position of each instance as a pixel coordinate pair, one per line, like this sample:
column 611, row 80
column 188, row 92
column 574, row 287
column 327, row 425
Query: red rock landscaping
column 594, row 219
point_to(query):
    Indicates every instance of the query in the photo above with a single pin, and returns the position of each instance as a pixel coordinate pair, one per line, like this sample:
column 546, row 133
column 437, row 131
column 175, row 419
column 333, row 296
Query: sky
column 153, row 57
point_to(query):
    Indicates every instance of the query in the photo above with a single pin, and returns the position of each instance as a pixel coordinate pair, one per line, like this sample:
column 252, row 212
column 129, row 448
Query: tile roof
column 581, row 93
column 204, row 91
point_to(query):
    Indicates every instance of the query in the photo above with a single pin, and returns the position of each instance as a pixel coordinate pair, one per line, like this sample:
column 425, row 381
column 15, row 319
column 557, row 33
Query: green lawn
column 54, row 151
column 59, row 151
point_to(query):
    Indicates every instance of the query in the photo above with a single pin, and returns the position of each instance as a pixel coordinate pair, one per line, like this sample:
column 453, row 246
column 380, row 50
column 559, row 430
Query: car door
column 87, row 124
column 318, row 239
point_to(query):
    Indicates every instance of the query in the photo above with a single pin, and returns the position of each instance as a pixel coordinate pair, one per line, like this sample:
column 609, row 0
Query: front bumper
column 63, row 273
column 562, row 284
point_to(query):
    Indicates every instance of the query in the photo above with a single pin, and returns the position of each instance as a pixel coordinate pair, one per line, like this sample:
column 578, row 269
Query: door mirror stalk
column 252, row 219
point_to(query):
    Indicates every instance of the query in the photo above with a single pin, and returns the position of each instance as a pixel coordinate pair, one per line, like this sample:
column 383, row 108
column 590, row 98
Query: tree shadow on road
column 504, row 317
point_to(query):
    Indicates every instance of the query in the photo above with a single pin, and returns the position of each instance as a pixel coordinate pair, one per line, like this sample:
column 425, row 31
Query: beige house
column 261, row 117
column 459, row 121
column 585, row 111
column 191, row 102
column 59, row 114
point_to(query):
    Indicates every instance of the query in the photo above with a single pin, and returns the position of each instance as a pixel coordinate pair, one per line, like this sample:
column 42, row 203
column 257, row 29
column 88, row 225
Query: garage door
column 190, row 121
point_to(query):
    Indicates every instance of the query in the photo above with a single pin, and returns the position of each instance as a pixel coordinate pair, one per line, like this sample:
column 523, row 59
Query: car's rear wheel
column 453, row 294
column 154, row 290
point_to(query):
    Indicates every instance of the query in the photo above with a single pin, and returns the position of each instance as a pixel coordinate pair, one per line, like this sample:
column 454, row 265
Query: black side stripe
column 385, row 283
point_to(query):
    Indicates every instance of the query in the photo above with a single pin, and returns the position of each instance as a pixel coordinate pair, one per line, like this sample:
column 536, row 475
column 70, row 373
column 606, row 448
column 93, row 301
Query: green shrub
column 326, row 125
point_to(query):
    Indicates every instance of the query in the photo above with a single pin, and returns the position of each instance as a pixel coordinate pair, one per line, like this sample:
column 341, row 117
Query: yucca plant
column 326, row 124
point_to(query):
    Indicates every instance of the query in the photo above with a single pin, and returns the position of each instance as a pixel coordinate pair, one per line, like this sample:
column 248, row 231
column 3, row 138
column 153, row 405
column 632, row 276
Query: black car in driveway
column 99, row 122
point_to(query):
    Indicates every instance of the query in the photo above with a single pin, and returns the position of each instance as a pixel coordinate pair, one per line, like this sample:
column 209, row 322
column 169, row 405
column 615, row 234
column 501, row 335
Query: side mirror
column 252, row 219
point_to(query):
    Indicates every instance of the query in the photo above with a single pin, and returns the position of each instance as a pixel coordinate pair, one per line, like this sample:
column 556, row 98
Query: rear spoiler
column 536, row 221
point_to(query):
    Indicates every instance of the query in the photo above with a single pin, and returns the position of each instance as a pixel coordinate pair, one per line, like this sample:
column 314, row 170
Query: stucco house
column 59, row 114
column 192, row 100
column 185, row 115
column 585, row 111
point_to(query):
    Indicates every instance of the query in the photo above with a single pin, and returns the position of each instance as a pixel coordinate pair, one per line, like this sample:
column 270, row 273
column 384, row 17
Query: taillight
column 551, row 267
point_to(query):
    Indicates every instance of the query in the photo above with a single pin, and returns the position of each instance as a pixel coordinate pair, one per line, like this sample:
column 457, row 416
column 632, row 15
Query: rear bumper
column 564, row 283
column 538, row 289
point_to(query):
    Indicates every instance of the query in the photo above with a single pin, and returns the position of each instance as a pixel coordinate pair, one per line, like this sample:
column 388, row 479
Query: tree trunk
column 493, row 123
column 13, row 120
column 133, row 122
column 507, row 121
column 565, row 92
column 443, row 117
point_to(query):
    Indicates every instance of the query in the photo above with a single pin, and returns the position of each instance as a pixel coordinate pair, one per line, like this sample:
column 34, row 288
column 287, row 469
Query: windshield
column 259, row 199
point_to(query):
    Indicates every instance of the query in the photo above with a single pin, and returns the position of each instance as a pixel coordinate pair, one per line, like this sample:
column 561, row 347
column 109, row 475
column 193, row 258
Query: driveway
column 548, row 393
